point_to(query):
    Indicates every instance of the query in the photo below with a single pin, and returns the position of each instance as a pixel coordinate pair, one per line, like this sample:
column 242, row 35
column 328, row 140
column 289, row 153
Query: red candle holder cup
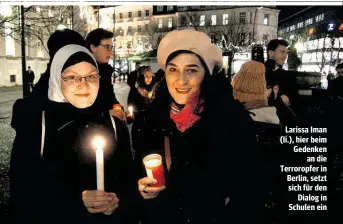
column 154, row 169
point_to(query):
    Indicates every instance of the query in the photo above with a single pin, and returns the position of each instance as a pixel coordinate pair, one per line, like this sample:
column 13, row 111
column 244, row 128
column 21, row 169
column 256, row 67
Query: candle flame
column 130, row 109
column 99, row 142
column 152, row 160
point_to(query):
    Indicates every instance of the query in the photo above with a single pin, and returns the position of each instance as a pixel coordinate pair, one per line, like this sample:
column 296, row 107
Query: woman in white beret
column 213, row 172
column 53, row 161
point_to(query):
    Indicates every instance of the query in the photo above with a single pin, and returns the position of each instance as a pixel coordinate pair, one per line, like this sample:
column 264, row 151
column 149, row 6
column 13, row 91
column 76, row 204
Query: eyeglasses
column 73, row 79
column 107, row 47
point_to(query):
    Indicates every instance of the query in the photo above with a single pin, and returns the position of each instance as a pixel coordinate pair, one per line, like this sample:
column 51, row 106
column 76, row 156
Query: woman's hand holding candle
column 118, row 112
column 98, row 201
column 146, row 190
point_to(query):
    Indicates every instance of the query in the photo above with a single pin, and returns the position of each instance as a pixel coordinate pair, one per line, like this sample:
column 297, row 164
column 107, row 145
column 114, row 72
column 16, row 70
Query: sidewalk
column 8, row 95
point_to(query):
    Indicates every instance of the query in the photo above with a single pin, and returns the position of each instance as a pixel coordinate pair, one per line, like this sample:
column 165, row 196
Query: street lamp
column 26, row 89
column 253, row 27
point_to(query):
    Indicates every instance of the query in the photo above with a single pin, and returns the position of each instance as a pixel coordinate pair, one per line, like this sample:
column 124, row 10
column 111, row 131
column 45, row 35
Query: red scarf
column 185, row 117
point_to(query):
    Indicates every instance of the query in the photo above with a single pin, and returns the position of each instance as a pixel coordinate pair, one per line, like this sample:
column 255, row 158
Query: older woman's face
column 80, row 94
column 184, row 75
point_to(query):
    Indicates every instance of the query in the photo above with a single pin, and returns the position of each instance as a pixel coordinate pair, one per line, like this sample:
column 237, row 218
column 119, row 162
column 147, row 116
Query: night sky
column 287, row 11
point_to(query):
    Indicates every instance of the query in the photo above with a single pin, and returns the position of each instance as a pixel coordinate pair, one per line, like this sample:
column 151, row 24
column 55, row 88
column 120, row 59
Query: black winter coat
column 48, row 190
column 141, row 103
column 106, row 96
column 214, row 159
column 286, row 80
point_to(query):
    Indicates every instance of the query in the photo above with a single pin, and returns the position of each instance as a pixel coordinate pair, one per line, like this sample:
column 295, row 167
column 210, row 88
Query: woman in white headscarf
column 53, row 162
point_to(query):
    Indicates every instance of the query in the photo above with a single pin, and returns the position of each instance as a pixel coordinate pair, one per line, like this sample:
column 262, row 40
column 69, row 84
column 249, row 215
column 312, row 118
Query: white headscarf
column 62, row 55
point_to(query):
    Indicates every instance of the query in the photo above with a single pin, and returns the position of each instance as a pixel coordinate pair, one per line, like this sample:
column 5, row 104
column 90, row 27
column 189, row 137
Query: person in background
column 141, row 98
column 336, row 84
column 249, row 87
column 100, row 43
column 283, row 83
column 133, row 76
column 30, row 75
column 203, row 135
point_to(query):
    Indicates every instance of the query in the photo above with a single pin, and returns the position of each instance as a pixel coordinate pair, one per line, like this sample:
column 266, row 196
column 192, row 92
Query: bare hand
column 285, row 99
column 118, row 113
column 146, row 191
column 100, row 201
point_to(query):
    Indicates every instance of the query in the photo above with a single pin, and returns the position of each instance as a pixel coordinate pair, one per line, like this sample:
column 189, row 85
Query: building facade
column 239, row 26
column 318, row 33
column 132, row 28
column 40, row 23
column 10, row 50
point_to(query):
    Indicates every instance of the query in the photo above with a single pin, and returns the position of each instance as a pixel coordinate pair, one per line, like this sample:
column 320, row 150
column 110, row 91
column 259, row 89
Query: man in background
column 30, row 75
column 283, row 83
column 100, row 43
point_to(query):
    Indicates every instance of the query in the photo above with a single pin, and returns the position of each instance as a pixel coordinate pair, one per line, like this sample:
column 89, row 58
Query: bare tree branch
column 40, row 23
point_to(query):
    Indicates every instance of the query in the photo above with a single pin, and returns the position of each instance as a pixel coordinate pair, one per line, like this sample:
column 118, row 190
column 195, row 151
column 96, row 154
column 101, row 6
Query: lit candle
column 154, row 169
column 225, row 63
column 130, row 109
column 99, row 143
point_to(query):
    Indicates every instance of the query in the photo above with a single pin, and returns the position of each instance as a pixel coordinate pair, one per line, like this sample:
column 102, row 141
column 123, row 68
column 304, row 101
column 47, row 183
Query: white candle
column 100, row 169
column 99, row 144
column 225, row 63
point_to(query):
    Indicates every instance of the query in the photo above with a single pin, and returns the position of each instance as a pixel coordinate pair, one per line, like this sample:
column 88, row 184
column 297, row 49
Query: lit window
column 292, row 28
column 129, row 30
column 225, row 19
column 242, row 16
column 300, row 25
column 319, row 17
column 160, row 23
column 308, row 21
column 266, row 19
column 214, row 20
column 160, row 8
column 9, row 41
column 39, row 50
column 170, row 22
column 202, row 20
column 169, row 8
